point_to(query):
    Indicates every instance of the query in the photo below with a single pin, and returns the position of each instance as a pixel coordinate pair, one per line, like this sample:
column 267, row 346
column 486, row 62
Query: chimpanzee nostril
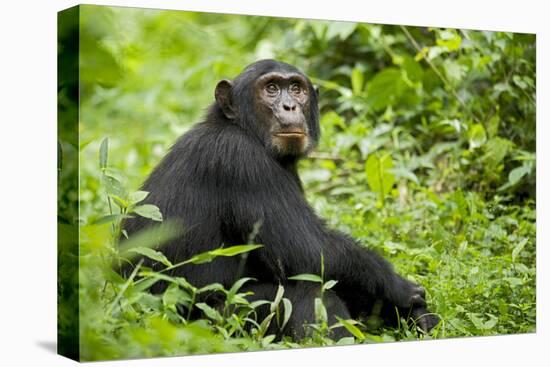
column 288, row 107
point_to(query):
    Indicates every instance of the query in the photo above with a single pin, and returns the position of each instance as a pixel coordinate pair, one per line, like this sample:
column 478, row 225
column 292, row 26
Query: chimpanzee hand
column 405, row 294
column 423, row 318
column 410, row 299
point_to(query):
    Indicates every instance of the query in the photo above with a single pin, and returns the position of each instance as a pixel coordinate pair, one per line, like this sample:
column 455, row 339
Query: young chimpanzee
column 235, row 174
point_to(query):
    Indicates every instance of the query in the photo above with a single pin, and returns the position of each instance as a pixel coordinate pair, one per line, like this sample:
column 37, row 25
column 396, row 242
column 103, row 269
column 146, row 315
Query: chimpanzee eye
column 295, row 88
column 272, row 88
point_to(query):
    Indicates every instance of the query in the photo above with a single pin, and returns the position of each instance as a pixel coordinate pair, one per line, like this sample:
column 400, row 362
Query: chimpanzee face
column 282, row 102
column 275, row 102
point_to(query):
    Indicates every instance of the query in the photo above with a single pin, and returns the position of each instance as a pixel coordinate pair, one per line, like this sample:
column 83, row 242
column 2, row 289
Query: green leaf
column 385, row 88
column 238, row 284
column 151, row 254
column 210, row 312
column 288, row 311
column 235, row 250
column 413, row 69
column 307, row 278
column 138, row 196
column 152, row 236
column 517, row 249
column 449, row 39
column 174, row 295
column 120, row 202
column 378, row 169
column 148, row 211
column 341, row 29
column 278, row 297
column 357, row 81
column 354, row 330
column 113, row 186
column 517, row 173
column 265, row 324
column 329, row 284
column 210, row 288
column 495, row 150
column 320, row 310
column 103, row 153
column 208, row 256
column 110, row 218
column 477, row 136
column 331, row 118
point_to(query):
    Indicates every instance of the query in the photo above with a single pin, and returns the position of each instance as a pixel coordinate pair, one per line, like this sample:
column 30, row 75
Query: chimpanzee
column 235, row 174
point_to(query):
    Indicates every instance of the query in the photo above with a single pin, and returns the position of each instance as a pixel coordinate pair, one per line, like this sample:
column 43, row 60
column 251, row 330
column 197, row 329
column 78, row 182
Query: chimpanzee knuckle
column 418, row 300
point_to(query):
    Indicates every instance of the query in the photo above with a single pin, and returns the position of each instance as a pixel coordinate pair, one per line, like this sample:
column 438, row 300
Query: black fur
column 221, row 180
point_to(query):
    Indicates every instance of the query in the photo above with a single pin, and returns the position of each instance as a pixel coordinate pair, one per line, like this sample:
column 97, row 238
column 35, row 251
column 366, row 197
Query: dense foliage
column 427, row 156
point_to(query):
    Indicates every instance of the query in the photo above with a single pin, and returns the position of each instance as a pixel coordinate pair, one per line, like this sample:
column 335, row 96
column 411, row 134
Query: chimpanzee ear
column 316, row 89
column 223, row 98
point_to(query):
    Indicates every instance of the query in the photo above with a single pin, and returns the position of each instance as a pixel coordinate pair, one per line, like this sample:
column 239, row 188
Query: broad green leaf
column 113, row 186
column 331, row 118
column 517, row 173
column 495, row 150
column 174, row 295
column 151, row 254
column 385, row 88
column 138, row 196
column 103, row 153
column 477, row 136
column 378, row 169
column 414, row 71
column 341, row 29
column 454, row 71
column 405, row 173
column 517, row 249
column 307, row 278
column 148, row 211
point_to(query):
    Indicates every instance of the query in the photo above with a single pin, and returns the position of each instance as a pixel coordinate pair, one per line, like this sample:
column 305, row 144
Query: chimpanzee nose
column 289, row 106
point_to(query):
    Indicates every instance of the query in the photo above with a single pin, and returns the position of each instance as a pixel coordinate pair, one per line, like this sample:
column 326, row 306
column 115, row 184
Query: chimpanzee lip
column 290, row 134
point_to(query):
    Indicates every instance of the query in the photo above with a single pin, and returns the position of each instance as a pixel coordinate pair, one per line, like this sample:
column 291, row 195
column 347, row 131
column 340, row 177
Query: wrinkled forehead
column 259, row 69
column 281, row 76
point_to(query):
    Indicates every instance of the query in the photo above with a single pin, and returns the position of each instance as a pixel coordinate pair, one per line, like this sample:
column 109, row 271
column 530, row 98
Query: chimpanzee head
column 276, row 102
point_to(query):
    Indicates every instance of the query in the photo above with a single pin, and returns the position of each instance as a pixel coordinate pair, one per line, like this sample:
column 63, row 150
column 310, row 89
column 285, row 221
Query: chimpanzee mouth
column 290, row 134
